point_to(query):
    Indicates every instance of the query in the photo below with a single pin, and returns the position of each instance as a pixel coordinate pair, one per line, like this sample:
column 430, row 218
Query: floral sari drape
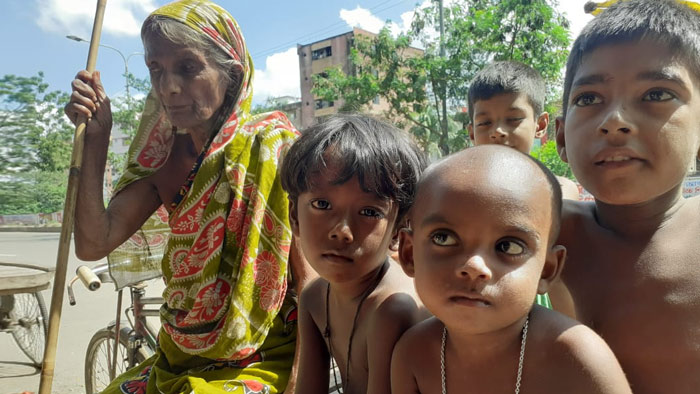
column 225, row 258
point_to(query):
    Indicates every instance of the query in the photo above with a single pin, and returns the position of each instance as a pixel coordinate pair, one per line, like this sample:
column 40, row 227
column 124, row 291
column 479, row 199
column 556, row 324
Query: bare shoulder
column 575, row 359
column 313, row 296
column 691, row 209
column 415, row 356
column 395, row 292
column 564, row 336
column 393, row 315
column 420, row 339
column 575, row 214
column 395, row 306
column 569, row 189
column 576, row 210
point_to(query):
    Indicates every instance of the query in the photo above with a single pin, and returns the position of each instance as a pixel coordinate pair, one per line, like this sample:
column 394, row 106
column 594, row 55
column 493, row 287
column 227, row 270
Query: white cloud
column 578, row 18
column 574, row 13
column 279, row 77
column 121, row 18
column 364, row 19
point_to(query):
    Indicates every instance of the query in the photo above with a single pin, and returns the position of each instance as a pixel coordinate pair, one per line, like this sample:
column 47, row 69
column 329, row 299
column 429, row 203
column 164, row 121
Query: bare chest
column 644, row 300
column 346, row 341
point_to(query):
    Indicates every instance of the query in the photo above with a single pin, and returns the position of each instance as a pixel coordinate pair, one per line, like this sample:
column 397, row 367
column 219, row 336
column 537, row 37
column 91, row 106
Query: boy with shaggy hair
column 630, row 130
column 351, row 180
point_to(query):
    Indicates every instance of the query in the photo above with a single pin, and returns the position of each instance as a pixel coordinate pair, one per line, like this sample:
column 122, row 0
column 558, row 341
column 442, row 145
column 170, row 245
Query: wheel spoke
column 30, row 331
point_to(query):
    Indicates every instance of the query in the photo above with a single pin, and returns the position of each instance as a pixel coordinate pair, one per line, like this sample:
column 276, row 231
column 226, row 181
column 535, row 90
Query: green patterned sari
column 228, row 322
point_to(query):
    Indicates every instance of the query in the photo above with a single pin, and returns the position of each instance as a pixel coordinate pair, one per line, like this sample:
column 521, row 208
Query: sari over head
column 225, row 259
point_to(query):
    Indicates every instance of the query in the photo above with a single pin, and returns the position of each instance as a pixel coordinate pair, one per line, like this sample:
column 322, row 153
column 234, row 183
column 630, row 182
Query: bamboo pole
column 49, row 362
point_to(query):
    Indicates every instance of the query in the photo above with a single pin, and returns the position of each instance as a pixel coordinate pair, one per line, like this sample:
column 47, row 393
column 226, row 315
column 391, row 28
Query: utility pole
column 443, row 136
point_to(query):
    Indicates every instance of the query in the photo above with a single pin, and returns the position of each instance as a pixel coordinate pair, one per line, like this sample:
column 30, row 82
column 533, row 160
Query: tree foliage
column 33, row 192
column 548, row 155
column 38, row 141
column 414, row 84
column 35, row 133
column 126, row 115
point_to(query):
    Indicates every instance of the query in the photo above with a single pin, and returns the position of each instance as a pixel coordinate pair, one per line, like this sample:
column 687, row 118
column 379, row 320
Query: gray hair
column 180, row 34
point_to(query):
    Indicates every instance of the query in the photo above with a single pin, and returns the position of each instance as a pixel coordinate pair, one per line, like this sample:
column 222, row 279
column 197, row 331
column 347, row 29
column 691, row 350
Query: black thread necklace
column 327, row 332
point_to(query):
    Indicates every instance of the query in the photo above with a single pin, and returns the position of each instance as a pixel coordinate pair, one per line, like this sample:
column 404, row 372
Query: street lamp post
column 124, row 58
column 128, row 97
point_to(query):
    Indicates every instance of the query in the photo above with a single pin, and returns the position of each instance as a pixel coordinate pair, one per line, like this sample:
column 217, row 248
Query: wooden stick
column 49, row 363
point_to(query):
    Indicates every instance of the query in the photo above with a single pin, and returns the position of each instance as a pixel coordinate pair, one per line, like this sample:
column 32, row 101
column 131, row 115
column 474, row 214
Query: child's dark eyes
column 658, row 95
column 321, row 204
column 442, row 238
column 586, row 99
column 371, row 212
column 515, row 120
column 510, row 247
column 483, row 123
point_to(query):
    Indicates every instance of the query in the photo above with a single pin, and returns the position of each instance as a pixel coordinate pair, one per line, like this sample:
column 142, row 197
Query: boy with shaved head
column 479, row 281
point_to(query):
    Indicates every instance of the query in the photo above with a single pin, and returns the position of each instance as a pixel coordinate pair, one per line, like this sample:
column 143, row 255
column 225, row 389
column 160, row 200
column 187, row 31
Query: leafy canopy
column 415, row 83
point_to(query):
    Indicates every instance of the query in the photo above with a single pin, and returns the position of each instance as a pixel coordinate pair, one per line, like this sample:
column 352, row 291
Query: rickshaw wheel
column 30, row 333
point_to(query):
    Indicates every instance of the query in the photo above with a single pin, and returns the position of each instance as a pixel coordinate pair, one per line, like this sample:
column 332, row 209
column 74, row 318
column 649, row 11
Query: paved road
column 78, row 323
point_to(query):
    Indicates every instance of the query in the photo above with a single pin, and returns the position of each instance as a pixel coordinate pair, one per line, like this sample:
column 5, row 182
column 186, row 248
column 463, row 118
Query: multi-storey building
column 318, row 56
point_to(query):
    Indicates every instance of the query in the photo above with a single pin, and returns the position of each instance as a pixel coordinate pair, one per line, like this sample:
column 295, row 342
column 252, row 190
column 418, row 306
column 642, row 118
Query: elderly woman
column 228, row 322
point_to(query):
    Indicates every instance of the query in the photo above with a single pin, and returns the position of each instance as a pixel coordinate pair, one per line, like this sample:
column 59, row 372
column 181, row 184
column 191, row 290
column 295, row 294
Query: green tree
column 35, row 133
column 126, row 115
column 38, row 141
column 548, row 155
column 476, row 32
column 33, row 192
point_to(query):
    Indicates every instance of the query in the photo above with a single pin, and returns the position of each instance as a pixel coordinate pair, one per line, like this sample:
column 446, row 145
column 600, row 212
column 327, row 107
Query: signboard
column 691, row 187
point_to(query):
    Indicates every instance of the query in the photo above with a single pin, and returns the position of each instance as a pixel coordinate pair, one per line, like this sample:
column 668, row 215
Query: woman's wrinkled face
column 190, row 87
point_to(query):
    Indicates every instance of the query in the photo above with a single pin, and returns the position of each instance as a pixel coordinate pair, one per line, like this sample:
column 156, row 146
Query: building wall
column 340, row 50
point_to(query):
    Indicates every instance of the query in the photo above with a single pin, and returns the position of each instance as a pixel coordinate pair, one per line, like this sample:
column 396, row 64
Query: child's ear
column 394, row 245
column 542, row 123
column 293, row 218
column 553, row 265
column 470, row 127
column 406, row 251
column 561, row 140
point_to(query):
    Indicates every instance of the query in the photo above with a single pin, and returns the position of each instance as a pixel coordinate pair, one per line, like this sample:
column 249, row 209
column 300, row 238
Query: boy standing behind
column 630, row 130
column 506, row 107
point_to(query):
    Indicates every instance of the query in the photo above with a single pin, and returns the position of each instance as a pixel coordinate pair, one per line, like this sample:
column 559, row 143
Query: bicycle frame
column 139, row 331
column 139, row 311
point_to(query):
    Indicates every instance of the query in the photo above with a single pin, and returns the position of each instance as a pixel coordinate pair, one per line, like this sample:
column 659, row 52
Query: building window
column 321, row 53
column 320, row 104
column 375, row 100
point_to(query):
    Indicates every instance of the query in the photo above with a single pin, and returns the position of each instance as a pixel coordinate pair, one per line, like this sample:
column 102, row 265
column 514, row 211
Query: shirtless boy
column 351, row 180
column 506, row 107
column 630, row 130
column 480, row 281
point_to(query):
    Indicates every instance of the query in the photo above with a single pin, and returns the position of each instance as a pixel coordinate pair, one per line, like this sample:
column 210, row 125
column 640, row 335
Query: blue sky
column 34, row 35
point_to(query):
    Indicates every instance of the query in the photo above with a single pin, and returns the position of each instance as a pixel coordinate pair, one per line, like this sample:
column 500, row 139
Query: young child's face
column 507, row 119
column 344, row 231
column 478, row 246
column 632, row 125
